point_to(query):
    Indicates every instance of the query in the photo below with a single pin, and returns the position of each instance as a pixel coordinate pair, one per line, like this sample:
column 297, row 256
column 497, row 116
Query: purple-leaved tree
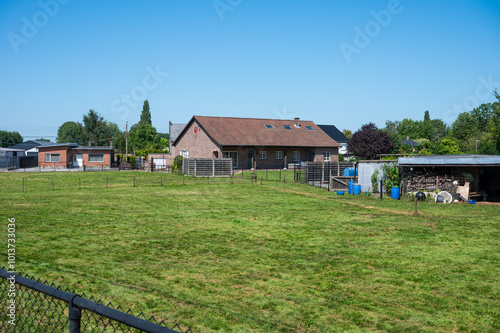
column 369, row 141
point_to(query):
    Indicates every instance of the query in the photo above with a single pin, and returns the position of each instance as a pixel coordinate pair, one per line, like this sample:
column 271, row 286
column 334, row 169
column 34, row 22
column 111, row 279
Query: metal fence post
column 79, row 183
column 23, row 184
column 134, row 181
column 52, row 184
column 75, row 314
column 106, row 182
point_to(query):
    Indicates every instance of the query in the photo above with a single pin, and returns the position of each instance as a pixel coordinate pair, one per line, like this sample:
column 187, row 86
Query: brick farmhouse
column 71, row 155
column 271, row 143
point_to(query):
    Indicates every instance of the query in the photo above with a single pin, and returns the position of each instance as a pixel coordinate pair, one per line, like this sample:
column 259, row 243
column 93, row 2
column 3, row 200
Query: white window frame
column 49, row 158
column 233, row 155
column 99, row 161
column 184, row 153
column 278, row 155
column 296, row 156
column 262, row 155
column 326, row 156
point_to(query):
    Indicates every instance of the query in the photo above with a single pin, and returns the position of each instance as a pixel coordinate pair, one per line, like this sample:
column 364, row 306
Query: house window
column 326, row 156
column 233, row 155
column 262, row 155
column 287, row 126
column 279, row 155
column 53, row 158
column 185, row 153
column 96, row 158
column 310, row 128
column 296, row 156
column 269, row 126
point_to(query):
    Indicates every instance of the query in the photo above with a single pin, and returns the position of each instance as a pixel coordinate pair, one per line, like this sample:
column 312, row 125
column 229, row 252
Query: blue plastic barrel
column 356, row 189
column 351, row 186
column 350, row 172
column 395, row 193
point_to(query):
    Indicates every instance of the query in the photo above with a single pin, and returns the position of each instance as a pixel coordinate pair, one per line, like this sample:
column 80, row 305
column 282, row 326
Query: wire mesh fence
column 36, row 306
column 320, row 173
column 74, row 181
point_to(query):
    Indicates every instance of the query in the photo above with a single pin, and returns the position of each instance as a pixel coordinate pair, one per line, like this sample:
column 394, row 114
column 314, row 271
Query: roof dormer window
column 287, row 126
column 269, row 126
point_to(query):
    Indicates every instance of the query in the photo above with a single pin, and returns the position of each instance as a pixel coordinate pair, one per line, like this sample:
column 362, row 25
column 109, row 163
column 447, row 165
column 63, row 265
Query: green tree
column 97, row 127
column 144, row 136
column 493, row 126
column 145, row 114
column 43, row 140
column 411, row 128
column 71, row 132
column 439, row 130
column 426, row 126
column 8, row 139
column 391, row 128
column 347, row 133
column 448, row 147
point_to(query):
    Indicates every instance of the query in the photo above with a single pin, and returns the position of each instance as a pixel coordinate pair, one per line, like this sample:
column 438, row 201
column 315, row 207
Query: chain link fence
column 28, row 305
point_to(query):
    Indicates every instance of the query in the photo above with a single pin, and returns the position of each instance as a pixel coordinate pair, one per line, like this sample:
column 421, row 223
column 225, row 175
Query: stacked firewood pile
column 431, row 182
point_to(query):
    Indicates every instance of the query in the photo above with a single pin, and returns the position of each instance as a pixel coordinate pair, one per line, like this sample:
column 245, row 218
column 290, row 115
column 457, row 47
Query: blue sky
column 332, row 62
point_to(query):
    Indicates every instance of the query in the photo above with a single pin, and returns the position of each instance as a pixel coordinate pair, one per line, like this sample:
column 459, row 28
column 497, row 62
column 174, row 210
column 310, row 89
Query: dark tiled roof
column 227, row 131
column 175, row 130
column 26, row 145
column 334, row 133
column 409, row 142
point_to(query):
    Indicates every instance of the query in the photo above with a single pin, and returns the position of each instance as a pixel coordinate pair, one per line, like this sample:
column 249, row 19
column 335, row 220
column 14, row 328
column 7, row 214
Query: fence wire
column 43, row 307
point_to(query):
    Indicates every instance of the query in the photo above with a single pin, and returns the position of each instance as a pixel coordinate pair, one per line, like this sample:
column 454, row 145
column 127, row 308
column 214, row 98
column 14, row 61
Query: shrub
column 391, row 173
column 177, row 164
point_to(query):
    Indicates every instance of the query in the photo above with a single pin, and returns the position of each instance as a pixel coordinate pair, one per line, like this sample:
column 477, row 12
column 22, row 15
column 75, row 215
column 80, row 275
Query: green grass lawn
column 239, row 256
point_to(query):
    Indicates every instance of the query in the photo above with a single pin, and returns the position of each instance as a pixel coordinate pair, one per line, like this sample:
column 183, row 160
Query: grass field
column 239, row 256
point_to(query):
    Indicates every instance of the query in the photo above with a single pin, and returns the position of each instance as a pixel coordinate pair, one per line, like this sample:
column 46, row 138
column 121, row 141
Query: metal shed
column 445, row 172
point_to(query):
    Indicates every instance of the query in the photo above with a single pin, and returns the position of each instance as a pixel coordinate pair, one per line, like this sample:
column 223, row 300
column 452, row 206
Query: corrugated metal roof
column 445, row 160
column 9, row 149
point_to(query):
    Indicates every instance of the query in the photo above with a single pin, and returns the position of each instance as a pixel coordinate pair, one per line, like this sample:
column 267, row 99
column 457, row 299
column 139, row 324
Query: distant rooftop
column 409, row 142
column 334, row 133
column 26, row 145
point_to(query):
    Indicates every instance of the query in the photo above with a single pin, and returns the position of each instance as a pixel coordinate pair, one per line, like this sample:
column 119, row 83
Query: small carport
column 447, row 172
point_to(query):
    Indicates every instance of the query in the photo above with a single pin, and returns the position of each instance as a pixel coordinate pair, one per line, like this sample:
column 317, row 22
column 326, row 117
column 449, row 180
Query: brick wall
column 198, row 144
column 67, row 156
column 63, row 151
column 85, row 153
column 319, row 154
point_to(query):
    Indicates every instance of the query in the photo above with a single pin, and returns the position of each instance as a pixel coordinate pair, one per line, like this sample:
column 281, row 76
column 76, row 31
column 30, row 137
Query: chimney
column 111, row 140
column 90, row 142
column 407, row 137
column 297, row 121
